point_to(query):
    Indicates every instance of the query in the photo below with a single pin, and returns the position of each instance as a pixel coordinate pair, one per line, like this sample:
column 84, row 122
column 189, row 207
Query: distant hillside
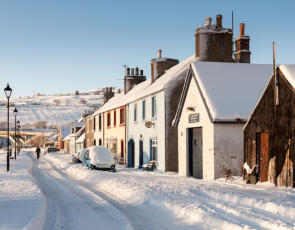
column 55, row 109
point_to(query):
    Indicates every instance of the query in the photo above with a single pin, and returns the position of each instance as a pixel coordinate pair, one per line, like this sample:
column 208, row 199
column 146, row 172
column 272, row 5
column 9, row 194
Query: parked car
column 78, row 157
column 99, row 157
column 51, row 150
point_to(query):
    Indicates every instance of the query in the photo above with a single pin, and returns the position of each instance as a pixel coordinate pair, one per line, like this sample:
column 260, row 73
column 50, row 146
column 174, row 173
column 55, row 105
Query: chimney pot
column 128, row 71
column 136, row 70
column 132, row 71
column 208, row 21
column 159, row 53
column 107, row 89
column 141, row 72
column 219, row 20
column 110, row 89
column 242, row 29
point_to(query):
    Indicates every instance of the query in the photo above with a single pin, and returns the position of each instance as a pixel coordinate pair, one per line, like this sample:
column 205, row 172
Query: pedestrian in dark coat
column 38, row 152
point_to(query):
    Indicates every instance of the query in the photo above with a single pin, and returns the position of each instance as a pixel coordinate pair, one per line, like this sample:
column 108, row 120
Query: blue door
column 131, row 153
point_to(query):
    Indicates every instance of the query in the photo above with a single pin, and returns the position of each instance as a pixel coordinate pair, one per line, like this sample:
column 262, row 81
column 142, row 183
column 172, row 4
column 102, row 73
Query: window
column 109, row 119
column 115, row 117
column 154, row 106
column 99, row 122
column 93, row 142
column 87, row 125
column 99, row 141
column 122, row 115
column 143, row 110
column 135, row 112
column 154, row 150
column 122, row 149
column 94, row 123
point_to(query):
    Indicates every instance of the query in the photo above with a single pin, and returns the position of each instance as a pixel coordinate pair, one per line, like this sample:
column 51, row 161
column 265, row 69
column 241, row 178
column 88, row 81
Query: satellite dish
column 148, row 124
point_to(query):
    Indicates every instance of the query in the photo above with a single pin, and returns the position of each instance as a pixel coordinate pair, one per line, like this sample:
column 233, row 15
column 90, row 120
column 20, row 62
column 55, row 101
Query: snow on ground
column 206, row 204
column 21, row 201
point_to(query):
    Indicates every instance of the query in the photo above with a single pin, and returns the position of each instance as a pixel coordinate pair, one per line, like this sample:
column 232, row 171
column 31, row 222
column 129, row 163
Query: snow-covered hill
column 54, row 109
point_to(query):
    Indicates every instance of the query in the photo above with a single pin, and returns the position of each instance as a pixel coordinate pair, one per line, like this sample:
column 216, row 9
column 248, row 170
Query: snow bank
column 22, row 205
column 208, row 204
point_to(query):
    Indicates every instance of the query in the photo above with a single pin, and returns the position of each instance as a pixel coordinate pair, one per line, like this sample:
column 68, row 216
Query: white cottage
column 156, row 105
column 216, row 102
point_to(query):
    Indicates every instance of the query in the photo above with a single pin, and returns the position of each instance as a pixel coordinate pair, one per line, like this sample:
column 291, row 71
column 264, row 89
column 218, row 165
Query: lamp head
column 8, row 91
column 15, row 112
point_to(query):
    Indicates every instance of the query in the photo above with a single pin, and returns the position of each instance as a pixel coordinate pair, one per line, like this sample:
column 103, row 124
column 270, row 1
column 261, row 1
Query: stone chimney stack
column 134, row 79
column 108, row 94
column 128, row 71
column 160, row 65
column 213, row 42
column 242, row 53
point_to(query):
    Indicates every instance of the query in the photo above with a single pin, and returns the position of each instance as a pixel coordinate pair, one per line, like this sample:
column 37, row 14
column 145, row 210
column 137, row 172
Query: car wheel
column 113, row 168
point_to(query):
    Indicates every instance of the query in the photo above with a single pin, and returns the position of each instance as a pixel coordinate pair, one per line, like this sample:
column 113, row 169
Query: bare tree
column 40, row 124
column 77, row 92
column 56, row 102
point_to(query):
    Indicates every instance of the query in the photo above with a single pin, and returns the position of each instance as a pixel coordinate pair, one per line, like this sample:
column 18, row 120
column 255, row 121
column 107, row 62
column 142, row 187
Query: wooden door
column 197, row 164
column 264, row 157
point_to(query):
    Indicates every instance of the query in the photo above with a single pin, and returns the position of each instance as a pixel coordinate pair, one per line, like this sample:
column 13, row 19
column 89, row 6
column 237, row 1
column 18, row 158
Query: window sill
column 154, row 118
column 143, row 121
column 135, row 122
column 122, row 125
column 114, row 126
column 109, row 127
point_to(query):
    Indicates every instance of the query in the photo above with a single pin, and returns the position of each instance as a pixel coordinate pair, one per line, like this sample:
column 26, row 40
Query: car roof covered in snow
column 230, row 90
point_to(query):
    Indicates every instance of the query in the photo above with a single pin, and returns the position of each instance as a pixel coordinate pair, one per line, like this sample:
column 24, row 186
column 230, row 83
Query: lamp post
column 15, row 114
column 8, row 92
column 18, row 142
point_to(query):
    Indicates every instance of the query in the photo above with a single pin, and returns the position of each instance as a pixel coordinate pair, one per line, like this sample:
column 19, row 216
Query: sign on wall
column 194, row 118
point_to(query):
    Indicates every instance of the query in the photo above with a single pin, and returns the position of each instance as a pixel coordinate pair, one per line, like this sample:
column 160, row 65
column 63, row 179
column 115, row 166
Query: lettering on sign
column 194, row 118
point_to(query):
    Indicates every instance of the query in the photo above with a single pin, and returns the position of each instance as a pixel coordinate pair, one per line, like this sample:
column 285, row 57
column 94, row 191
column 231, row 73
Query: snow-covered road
column 52, row 193
column 75, row 204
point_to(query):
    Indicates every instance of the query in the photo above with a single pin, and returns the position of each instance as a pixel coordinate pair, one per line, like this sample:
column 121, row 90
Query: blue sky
column 60, row 46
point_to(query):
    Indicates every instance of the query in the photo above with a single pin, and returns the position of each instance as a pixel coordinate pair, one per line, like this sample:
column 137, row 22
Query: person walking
column 38, row 152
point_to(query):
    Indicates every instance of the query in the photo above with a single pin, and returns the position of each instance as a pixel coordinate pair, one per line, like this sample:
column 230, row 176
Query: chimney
column 242, row 53
column 107, row 89
column 111, row 89
column 160, row 65
column 133, row 79
column 128, row 71
column 213, row 42
column 159, row 53
column 108, row 94
column 219, row 20
column 208, row 21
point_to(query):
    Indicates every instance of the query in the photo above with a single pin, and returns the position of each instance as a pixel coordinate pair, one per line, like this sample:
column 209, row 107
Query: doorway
column 262, row 157
column 195, row 140
column 140, row 153
column 131, row 153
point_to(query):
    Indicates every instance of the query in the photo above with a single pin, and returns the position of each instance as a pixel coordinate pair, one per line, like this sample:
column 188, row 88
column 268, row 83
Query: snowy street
column 61, row 195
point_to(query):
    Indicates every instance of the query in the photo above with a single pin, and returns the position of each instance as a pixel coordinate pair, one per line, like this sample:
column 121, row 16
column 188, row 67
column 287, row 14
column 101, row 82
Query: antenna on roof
column 125, row 68
column 232, row 28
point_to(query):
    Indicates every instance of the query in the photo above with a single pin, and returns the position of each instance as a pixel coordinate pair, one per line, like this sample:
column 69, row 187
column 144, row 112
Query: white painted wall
column 193, row 98
column 72, row 145
column 135, row 129
column 228, row 142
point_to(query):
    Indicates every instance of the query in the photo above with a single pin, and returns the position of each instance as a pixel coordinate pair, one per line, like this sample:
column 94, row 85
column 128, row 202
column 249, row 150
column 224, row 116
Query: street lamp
column 15, row 114
column 18, row 142
column 8, row 92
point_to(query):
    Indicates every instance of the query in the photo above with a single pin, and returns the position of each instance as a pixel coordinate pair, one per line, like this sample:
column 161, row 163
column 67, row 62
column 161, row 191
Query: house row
column 196, row 117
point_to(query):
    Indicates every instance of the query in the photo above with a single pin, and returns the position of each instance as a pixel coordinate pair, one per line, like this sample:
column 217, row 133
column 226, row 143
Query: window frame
column 135, row 112
column 122, row 116
column 154, row 107
column 143, row 117
column 109, row 120
column 115, row 118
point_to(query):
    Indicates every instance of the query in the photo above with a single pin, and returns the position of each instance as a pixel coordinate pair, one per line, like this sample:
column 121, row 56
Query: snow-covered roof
column 121, row 99
column 81, row 138
column 230, row 90
column 77, row 124
column 170, row 76
column 65, row 131
column 67, row 138
column 289, row 73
